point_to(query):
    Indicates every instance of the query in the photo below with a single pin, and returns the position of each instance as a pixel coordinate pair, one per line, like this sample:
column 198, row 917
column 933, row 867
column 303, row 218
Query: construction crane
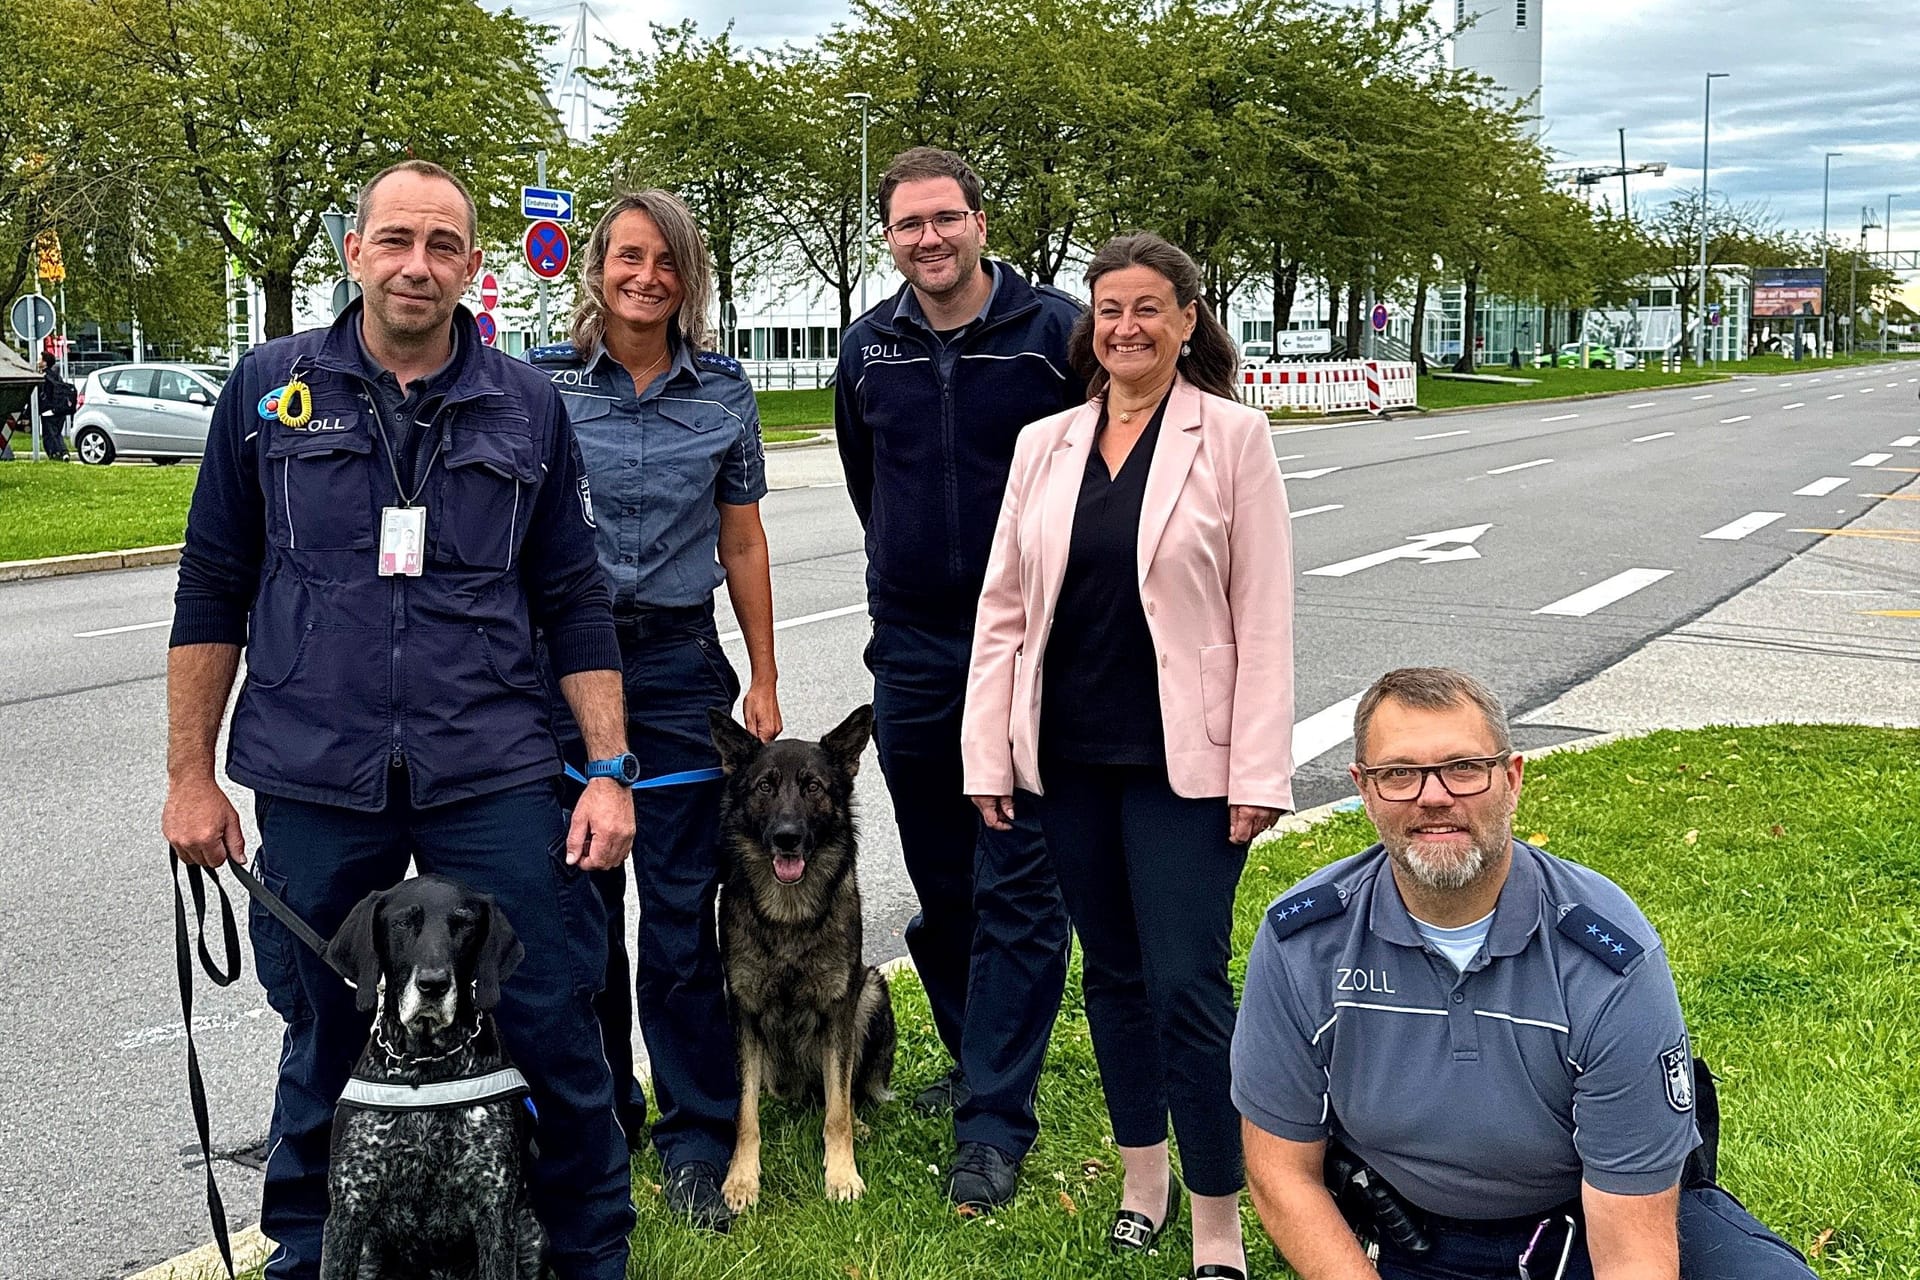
column 1587, row 176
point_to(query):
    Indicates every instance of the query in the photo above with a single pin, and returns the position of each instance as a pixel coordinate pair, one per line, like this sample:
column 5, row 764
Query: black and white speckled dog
column 427, row 1171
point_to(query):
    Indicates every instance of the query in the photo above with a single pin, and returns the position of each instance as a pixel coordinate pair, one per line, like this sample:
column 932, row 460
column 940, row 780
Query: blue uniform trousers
column 321, row 860
column 1719, row 1240
column 990, row 939
column 673, row 674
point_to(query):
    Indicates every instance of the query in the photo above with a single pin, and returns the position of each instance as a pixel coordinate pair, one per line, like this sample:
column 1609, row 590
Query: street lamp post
column 861, row 239
column 1826, row 191
column 1706, row 127
column 1886, row 312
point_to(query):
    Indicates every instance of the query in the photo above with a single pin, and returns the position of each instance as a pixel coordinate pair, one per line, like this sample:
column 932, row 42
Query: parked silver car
column 158, row 411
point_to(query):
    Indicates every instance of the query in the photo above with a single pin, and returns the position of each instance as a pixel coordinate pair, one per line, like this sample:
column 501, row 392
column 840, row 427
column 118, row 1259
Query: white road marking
column 1820, row 488
column 1520, row 466
column 1658, row 435
column 804, row 619
column 1811, row 381
column 1797, row 404
column 1648, row 404
column 1730, row 421
column 120, row 631
column 1322, row 731
column 1601, row 594
column 1869, row 459
column 1560, row 417
column 1836, row 395
column 1707, row 396
column 1746, row 524
column 1423, row 547
column 1865, row 390
column 1315, row 474
column 1744, row 390
column 1291, row 457
column 1314, row 511
column 829, row 484
column 1893, row 384
column 1442, row 435
column 1904, row 442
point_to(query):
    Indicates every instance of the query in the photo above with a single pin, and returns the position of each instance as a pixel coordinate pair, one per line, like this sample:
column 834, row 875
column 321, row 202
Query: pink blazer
column 1216, row 584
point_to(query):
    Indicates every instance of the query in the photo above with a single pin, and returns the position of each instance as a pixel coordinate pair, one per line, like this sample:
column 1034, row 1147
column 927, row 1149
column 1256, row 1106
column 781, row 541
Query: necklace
column 1126, row 415
column 645, row 376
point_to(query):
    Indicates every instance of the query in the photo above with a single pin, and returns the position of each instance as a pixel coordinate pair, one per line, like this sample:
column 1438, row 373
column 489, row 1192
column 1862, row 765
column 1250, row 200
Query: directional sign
column 1424, row 547
column 547, row 249
column 489, row 291
column 488, row 330
column 32, row 318
column 544, row 202
column 1379, row 316
column 1303, row 342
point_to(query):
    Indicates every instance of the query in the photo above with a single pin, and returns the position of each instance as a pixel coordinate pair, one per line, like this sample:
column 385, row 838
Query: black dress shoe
column 693, row 1189
column 1218, row 1271
column 982, row 1177
column 944, row 1096
column 1135, row 1232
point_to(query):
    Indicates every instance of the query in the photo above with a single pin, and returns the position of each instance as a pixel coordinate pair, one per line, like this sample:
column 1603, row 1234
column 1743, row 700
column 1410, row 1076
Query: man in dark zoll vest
column 387, row 513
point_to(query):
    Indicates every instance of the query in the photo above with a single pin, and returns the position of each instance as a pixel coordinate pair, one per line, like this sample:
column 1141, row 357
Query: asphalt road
column 1532, row 545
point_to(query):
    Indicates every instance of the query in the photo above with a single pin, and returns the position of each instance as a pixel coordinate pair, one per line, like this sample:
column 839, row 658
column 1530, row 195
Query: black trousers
column 1149, row 878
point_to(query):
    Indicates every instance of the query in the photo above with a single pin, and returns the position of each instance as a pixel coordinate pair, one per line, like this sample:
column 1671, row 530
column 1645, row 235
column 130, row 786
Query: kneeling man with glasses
column 1459, row 1056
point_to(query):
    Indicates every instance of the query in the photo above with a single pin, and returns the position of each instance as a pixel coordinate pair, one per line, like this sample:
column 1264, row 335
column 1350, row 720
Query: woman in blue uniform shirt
column 671, row 437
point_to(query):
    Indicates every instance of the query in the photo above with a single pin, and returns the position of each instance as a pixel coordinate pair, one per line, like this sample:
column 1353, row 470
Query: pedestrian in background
column 58, row 399
column 1132, row 681
column 932, row 388
column 671, row 435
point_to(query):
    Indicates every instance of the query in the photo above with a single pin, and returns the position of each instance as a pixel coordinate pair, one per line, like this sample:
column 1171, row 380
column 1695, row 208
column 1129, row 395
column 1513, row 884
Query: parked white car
column 157, row 411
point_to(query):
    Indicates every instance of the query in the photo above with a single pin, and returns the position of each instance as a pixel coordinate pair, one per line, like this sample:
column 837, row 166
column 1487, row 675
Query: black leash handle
column 183, row 961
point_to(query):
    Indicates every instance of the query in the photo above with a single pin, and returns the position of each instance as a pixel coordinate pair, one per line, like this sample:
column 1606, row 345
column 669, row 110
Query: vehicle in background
column 1599, row 356
column 157, row 411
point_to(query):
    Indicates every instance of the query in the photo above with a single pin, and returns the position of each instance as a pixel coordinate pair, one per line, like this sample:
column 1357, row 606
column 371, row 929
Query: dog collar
column 375, row 1095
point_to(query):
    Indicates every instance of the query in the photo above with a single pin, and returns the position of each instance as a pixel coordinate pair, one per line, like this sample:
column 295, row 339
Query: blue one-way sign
column 541, row 202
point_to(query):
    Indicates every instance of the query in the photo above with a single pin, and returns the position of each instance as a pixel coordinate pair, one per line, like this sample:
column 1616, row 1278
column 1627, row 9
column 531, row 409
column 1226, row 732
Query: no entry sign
column 547, row 249
column 489, row 291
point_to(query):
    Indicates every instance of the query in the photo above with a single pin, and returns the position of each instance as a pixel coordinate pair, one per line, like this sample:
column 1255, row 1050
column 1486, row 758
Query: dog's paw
column 861, row 1129
column 741, row 1189
column 845, row 1184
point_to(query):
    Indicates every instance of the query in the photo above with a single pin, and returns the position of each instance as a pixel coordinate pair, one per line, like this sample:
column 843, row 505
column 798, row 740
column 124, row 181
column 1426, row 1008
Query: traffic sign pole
column 540, row 176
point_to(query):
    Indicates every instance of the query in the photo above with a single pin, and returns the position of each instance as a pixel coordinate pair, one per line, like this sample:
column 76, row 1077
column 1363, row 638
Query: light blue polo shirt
column 1558, row 1055
column 661, row 458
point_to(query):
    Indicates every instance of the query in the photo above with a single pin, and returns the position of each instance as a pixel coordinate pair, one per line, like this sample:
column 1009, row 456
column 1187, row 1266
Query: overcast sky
column 1806, row 77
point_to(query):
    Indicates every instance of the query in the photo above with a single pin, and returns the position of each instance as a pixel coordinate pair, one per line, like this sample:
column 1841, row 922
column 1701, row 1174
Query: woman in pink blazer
column 1132, row 678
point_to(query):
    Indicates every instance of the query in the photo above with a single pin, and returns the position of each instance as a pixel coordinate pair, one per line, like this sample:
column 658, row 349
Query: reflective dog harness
column 376, row 1095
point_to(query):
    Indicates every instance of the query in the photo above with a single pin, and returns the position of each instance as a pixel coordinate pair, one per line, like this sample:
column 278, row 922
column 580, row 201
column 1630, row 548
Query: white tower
column 1500, row 39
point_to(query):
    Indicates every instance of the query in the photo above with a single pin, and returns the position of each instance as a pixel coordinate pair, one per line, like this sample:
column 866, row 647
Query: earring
column 1186, row 348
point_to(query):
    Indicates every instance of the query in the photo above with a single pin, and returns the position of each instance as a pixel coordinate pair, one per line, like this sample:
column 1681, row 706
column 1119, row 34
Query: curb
column 95, row 562
column 822, row 435
column 250, row 1249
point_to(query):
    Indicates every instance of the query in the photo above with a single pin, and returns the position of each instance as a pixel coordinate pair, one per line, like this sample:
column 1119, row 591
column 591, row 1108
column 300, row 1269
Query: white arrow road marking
column 1520, row 466
column 1322, row 731
column 1741, row 418
column 1658, row 435
column 1904, row 442
column 1314, row 511
column 1746, row 524
column 1315, row 474
column 120, row 631
column 1820, row 488
column 1602, row 594
column 1420, row 546
column 1442, row 435
column 1869, row 459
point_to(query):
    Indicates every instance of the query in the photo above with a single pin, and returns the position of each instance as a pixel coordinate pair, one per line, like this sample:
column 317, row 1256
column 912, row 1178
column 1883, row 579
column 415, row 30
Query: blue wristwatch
column 624, row 768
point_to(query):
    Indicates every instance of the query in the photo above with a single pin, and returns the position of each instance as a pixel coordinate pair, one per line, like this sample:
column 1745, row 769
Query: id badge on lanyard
column 403, row 539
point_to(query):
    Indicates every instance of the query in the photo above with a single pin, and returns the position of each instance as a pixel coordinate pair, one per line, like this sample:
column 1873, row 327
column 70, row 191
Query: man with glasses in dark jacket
column 932, row 388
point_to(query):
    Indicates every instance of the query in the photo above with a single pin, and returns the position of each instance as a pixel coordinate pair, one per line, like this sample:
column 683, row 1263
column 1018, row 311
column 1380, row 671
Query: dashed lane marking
column 1745, row 417
column 1820, row 488
column 1836, row 395
column 1519, row 466
column 1658, row 435
column 804, row 619
column 1560, row 417
column 1904, row 442
column 1646, row 404
column 1744, row 390
column 1314, row 511
column 1315, row 474
column 1601, row 594
column 1751, row 522
column 120, row 631
column 1322, row 731
column 1866, row 390
column 1797, row 404
column 1707, row 396
column 1442, row 435
column 1291, row 457
column 1869, row 459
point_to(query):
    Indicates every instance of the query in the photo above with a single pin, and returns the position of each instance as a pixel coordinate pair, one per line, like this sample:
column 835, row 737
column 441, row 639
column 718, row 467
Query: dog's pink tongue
column 788, row 867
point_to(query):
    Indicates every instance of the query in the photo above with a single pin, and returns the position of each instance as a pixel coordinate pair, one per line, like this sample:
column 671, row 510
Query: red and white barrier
column 1348, row 386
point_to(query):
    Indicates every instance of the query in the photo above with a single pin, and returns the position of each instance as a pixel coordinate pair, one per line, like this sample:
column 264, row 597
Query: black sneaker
column 982, row 1177
column 944, row 1096
column 693, row 1189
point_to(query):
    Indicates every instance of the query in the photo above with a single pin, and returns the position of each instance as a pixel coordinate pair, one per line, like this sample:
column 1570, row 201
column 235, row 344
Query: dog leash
column 198, row 877
column 680, row 779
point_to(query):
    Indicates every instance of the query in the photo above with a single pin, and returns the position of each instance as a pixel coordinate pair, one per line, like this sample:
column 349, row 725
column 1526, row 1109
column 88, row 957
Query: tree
column 272, row 111
column 1671, row 235
column 814, row 198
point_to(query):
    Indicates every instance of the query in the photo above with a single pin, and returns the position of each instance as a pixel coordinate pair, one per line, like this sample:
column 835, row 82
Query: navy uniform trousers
column 321, row 860
column 674, row 671
column 990, row 939
column 1719, row 1240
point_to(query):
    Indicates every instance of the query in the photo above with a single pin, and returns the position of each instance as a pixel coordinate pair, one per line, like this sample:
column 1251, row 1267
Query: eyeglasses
column 1459, row 778
column 948, row 223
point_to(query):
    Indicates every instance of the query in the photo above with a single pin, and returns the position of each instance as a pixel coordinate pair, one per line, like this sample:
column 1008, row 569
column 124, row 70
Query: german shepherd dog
column 811, row 1018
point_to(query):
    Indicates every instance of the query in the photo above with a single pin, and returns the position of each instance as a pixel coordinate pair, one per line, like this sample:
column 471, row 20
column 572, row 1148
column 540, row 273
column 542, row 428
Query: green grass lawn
column 1780, row 866
column 786, row 437
column 779, row 409
column 1780, row 364
column 1446, row 393
column 64, row 509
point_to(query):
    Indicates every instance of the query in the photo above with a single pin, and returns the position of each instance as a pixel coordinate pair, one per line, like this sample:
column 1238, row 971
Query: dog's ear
column 847, row 741
column 735, row 745
column 500, row 954
column 353, row 955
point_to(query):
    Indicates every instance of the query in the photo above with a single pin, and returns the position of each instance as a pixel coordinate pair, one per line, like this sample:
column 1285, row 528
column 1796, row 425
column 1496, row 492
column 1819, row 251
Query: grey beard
column 1444, row 877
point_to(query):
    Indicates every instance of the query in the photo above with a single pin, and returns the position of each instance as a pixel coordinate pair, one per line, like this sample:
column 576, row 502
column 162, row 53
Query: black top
column 1100, row 692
